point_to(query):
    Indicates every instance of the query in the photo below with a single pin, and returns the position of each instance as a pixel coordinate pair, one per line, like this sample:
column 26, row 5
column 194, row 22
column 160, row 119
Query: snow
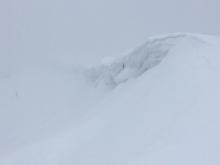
column 161, row 107
column 137, row 62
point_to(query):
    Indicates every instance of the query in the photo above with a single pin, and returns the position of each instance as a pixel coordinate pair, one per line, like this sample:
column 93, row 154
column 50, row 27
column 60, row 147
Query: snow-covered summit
column 141, row 59
column 168, row 114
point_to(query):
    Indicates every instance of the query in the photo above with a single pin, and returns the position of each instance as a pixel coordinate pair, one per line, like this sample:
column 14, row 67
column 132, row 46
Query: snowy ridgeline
column 168, row 115
column 143, row 58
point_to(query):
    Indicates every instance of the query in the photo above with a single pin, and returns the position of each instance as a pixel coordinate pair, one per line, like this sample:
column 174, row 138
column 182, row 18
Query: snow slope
column 161, row 108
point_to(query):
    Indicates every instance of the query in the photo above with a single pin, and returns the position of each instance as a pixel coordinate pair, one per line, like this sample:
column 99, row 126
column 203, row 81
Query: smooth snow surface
column 161, row 107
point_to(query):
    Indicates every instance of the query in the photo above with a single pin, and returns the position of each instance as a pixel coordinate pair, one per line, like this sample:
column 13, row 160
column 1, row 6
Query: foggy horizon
column 83, row 32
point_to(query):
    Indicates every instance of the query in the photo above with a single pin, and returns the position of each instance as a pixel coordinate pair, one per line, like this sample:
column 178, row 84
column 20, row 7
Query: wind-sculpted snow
column 164, row 111
column 140, row 60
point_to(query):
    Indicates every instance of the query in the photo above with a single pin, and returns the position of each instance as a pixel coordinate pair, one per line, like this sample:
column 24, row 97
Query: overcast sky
column 84, row 31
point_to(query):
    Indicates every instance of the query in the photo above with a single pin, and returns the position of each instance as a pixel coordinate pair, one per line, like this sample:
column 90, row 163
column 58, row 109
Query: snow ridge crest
column 135, row 63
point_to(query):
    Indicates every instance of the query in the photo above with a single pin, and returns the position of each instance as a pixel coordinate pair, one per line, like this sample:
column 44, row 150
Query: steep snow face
column 150, row 54
column 166, row 111
column 167, row 116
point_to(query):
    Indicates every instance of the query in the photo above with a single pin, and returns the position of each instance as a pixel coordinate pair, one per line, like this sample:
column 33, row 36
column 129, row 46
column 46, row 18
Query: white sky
column 84, row 31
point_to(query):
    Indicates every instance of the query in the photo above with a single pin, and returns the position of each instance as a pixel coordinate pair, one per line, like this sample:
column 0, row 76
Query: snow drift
column 138, row 61
column 162, row 108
